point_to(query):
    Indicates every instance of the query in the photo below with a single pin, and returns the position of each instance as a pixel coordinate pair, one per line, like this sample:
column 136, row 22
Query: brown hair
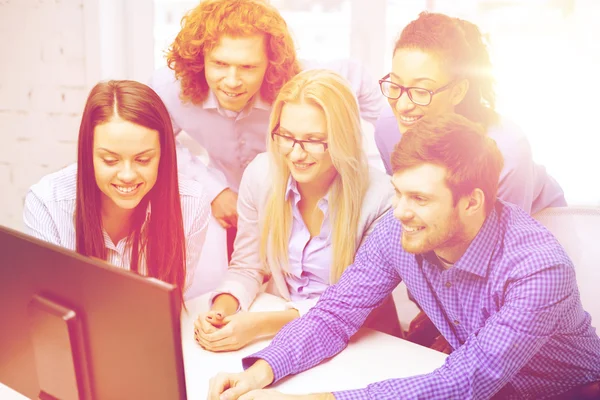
column 472, row 159
column 162, row 242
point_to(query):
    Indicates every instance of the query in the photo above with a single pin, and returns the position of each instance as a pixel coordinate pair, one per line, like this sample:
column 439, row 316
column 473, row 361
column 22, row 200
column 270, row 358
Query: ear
column 475, row 202
column 459, row 91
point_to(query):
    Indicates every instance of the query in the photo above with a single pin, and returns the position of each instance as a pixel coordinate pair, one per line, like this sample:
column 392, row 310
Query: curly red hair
column 204, row 25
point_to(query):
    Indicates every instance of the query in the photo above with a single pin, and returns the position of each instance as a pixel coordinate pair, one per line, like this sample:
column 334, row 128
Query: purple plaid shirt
column 509, row 307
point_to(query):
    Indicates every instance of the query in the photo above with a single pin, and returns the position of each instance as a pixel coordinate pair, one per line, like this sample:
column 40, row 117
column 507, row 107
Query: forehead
column 240, row 50
column 302, row 118
column 411, row 64
column 125, row 137
column 425, row 178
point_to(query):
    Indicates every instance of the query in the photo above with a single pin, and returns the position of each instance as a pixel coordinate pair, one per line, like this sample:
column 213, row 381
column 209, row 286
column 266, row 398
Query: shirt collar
column 476, row 259
column 292, row 192
column 212, row 102
column 108, row 242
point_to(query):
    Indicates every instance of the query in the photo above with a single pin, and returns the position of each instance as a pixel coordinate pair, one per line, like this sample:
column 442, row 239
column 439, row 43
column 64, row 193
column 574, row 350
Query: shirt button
column 456, row 322
column 448, row 284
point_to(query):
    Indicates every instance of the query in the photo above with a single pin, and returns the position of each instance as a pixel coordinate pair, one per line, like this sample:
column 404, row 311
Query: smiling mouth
column 232, row 94
column 408, row 119
column 303, row 166
column 126, row 189
column 412, row 229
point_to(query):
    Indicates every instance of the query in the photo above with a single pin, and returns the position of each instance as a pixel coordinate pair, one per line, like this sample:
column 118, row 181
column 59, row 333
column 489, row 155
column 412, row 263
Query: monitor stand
column 59, row 348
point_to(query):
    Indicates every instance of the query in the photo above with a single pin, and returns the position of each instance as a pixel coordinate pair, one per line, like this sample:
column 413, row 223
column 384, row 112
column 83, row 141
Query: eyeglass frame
column 300, row 142
column 406, row 89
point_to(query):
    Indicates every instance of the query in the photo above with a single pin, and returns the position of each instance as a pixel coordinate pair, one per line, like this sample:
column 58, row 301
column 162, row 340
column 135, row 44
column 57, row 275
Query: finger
column 227, row 344
column 235, row 392
column 223, row 222
column 217, row 385
column 215, row 317
column 207, row 328
column 251, row 395
column 233, row 218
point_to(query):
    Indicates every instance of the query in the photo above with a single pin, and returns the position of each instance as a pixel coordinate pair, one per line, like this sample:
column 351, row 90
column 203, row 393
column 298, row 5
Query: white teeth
column 231, row 94
column 411, row 228
column 409, row 119
column 302, row 166
column 126, row 189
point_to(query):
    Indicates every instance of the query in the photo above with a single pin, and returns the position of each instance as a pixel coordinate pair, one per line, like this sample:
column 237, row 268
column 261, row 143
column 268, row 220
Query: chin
column 414, row 248
column 127, row 204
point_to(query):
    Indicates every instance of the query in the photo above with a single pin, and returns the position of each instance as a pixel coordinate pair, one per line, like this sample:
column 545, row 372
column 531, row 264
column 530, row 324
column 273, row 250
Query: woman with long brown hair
column 122, row 201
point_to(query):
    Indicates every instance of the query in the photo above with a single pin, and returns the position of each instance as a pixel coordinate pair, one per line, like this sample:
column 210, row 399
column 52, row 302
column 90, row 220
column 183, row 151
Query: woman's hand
column 228, row 333
column 208, row 322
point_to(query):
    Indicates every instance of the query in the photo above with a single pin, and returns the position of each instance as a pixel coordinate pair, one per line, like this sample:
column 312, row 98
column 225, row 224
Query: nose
column 232, row 79
column 404, row 104
column 297, row 153
column 126, row 174
column 402, row 211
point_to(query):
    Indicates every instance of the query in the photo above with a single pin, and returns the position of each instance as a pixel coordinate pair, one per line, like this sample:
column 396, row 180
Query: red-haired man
column 226, row 66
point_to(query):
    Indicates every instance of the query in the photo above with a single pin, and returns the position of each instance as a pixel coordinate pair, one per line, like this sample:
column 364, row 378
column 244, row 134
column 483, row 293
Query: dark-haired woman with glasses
column 441, row 64
column 304, row 207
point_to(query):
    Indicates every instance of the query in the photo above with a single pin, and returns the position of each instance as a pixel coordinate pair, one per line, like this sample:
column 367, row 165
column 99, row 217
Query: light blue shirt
column 522, row 181
column 309, row 258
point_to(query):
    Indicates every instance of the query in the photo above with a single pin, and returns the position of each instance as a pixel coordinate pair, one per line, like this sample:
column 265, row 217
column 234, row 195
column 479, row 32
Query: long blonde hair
column 333, row 95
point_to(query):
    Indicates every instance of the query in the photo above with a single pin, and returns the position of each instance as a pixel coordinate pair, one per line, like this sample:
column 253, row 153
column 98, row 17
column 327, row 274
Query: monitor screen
column 77, row 327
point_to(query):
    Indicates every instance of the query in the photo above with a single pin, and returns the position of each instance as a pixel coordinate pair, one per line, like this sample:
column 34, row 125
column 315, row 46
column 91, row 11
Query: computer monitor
column 72, row 327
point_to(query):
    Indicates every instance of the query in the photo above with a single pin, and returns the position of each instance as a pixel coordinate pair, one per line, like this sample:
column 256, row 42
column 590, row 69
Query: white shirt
column 49, row 214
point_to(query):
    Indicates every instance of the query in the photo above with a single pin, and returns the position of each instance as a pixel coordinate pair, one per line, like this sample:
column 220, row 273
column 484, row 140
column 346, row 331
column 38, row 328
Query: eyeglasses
column 419, row 96
column 287, row 143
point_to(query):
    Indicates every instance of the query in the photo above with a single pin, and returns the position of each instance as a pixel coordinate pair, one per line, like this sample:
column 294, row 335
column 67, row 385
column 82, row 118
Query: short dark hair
column 471, row 158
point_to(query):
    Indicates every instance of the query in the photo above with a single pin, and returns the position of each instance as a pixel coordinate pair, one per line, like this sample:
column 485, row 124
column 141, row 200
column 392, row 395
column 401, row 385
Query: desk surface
column 370, row 357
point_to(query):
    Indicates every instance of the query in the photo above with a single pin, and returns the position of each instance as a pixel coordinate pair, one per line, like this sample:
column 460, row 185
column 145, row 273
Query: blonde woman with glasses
column 305, row 206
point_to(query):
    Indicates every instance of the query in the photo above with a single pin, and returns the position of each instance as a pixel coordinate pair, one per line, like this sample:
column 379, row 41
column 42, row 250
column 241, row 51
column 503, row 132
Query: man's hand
column 224, row 208
column 231, row 386
column 269, row 394
column 230, row 332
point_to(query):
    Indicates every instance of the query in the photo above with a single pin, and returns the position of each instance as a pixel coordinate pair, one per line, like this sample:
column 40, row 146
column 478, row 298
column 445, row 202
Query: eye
column 144, row 161
column 420, row 199
column 219, row 63
column 248, row 66
column 420, row 92
column 109, row 161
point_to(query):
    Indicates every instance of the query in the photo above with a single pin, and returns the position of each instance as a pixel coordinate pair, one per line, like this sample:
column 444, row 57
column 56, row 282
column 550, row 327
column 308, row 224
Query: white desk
column 370, row 357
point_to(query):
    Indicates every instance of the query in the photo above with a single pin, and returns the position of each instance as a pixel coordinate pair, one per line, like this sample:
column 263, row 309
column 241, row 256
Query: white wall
column 53, row 52
column 44, row 79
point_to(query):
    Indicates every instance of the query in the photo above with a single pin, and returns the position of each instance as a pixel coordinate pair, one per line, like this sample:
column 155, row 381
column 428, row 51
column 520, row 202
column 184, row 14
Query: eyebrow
column 413, row 193
column 117, row 154
column 424, row 78
column 321, row 134
column 245, row 63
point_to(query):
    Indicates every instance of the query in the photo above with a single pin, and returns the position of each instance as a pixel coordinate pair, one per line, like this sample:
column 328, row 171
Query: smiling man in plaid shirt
column 497, row 285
